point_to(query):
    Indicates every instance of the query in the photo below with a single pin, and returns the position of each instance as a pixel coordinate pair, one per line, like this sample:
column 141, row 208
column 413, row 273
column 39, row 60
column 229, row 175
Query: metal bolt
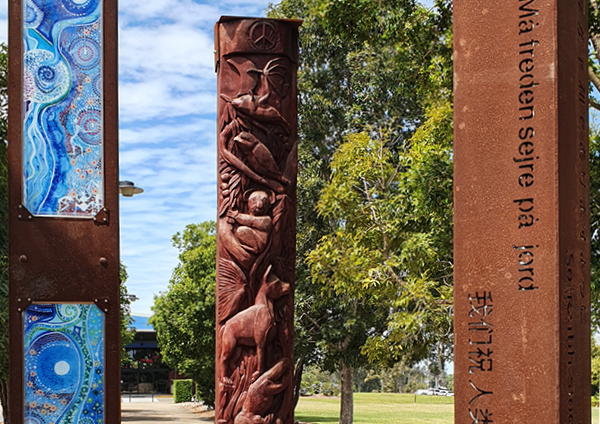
column 20, row 206
column 105, row 300
column 96, row 300
column 30, row 217
column 106, row 310
column 19, row 309
column 95, row 219
column 104, row 219
column 105, row 210
column 23, row 258
column 19, row 299
column 19, row 216
column 29, row 299
column 103, row 261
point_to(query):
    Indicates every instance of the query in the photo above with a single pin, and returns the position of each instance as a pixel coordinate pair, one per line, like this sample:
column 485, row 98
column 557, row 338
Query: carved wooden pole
column 256, row 224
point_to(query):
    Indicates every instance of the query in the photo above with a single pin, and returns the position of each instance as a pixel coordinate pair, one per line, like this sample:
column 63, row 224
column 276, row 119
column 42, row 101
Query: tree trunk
column 347, row 403
column 298, row 380
column 4, row 400
column 441, row 363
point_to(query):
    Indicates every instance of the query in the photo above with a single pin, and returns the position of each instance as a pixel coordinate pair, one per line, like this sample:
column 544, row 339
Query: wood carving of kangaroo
column 251, row 326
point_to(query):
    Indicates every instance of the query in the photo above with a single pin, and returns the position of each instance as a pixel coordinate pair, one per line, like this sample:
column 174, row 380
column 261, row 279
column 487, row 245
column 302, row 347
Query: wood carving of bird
column 248, row 78
column 259, row 157
column 255, row 108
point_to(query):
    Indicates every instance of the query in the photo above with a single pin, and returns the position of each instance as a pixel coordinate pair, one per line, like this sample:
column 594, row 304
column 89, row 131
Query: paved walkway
column 163, row 411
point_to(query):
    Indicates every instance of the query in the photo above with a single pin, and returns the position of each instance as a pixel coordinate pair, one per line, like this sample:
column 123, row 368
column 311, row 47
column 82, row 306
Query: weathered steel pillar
column 256, row 223
column 522, row 257
column 63, row 218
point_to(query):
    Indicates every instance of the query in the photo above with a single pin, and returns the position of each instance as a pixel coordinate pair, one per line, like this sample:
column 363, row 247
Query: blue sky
column 167, row 129
column 167, row 89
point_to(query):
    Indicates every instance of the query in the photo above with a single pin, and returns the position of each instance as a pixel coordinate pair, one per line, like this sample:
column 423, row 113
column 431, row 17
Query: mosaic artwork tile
column 62, row 110
column 64, row 364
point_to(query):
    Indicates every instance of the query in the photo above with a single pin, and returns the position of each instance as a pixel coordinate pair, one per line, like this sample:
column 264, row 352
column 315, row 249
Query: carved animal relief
column 257, row 163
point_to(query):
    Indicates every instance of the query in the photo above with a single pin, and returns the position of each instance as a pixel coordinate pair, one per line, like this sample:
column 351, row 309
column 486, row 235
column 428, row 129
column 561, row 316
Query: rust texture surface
column 257, row 164
column 522, row 316
column 64, row 260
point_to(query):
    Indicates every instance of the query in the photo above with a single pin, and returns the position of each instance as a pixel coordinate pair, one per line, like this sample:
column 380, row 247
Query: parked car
column 435, row 391
column 441, row 391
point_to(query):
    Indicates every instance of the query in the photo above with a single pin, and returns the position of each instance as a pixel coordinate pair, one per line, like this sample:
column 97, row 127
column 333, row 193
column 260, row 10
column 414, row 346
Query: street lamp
column 131, row 297
column 128, row 189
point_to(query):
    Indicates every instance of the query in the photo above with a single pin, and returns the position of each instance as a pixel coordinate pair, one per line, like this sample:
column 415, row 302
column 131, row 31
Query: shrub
column 182, row 391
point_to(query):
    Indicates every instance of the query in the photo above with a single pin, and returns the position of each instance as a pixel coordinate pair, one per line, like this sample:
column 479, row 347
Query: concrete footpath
column 147, row 410
column 161, row 410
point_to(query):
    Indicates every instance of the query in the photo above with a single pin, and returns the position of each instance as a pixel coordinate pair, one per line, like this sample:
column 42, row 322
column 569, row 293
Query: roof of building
column 140, row 323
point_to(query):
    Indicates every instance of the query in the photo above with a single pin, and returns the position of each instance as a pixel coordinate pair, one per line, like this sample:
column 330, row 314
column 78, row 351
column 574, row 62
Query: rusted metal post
column 256, row 223
column 522, row 257
column 64, row 213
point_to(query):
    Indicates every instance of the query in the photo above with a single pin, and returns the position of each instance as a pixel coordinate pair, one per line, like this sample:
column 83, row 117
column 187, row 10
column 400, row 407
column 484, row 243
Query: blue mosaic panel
column 64, row 364
column 62, row 110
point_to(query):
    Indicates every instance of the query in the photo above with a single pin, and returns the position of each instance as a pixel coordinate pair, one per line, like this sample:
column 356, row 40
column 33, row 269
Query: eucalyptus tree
column 371, row 72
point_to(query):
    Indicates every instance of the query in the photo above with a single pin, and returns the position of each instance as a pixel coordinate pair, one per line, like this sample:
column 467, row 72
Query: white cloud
column 151, row 133
column 167, row 102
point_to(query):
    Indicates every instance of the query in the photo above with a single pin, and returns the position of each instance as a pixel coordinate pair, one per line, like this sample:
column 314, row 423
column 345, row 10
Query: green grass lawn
column 379, row 408
column 385, row 408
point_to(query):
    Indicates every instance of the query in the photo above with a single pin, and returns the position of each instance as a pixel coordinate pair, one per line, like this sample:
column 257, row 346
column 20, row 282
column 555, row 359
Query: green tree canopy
column 371, row 72
column 184, row 315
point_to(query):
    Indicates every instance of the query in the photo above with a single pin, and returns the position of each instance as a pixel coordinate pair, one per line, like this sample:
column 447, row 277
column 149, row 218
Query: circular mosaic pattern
column 90, row 126
column 46, row 76
column 97, row 85
column 68, row 312
column 55, row 349
column 33, row 15
column 44, row 80
column 86, row 53
column 80, row 6
column 62, row 368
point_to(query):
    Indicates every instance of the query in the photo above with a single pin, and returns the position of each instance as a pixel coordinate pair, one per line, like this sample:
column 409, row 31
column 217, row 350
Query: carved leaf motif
column 233, row 289
column 276, row 75
column 283, row 239
column 283, row 203
column 241, row 379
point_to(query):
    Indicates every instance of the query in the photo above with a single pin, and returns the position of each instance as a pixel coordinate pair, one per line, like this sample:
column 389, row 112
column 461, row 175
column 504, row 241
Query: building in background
column 145, row 372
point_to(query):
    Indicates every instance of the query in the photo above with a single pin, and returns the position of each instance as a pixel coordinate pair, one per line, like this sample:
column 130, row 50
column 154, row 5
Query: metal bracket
column 23, row 303
column 102, row 217
column 102, row 304
column 24, row 214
